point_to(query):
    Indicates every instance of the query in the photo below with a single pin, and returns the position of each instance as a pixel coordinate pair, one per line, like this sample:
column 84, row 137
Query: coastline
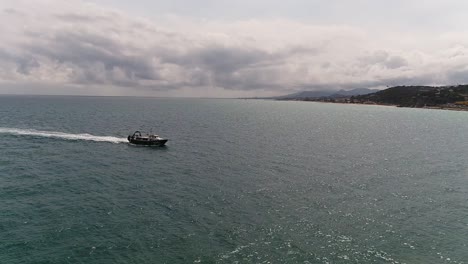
column 452, row 98
column 448, row 108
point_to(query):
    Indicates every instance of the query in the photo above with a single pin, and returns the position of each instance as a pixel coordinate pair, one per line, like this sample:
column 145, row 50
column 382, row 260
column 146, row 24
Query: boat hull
column 156, row 143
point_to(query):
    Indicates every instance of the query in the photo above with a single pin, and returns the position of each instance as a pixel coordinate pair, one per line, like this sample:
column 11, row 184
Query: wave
column 60, row 135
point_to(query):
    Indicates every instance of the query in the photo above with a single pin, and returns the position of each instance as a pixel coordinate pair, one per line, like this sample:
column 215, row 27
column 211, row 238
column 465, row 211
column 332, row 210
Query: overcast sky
column 220, row 48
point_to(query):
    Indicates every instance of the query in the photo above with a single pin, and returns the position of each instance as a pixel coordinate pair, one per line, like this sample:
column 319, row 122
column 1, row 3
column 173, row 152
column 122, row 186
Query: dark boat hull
column 156, row 143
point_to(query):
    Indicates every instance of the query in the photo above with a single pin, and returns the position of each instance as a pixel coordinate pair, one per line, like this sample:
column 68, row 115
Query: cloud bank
column 80, row 48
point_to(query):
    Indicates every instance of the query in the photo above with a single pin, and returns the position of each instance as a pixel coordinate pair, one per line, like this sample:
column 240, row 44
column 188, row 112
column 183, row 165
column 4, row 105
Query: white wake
column 53, row 134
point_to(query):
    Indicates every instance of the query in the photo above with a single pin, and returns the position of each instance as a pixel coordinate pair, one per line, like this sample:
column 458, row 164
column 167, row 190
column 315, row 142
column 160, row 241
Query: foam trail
column 53, row 134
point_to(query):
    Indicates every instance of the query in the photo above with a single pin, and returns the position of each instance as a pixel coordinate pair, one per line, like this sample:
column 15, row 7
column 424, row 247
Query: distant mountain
column 306, row 94
column 321, row 94
column 354, row 92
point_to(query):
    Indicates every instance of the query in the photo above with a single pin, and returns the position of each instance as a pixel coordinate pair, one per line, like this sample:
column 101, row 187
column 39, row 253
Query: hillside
column 417, row 96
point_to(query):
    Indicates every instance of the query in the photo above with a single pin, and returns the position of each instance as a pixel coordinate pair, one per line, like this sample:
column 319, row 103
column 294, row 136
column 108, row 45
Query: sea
column 240, row 181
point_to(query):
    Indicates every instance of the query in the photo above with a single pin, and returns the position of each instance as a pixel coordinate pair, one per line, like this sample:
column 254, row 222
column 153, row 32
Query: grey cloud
column 80, row 18
column 375, row 58
column 24, row 62
column 222, row 65
column 459, row 76
column 25, row 65
column 222, row 59
column 99, row 49
column 395, row 62
column 11, row 11
column 383, row 82
column 238, row 68
column 95, row 57
column 83, row 50
column 384, row 59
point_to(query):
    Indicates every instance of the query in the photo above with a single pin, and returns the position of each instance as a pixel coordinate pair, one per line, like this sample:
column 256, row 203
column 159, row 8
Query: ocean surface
column 240, row 181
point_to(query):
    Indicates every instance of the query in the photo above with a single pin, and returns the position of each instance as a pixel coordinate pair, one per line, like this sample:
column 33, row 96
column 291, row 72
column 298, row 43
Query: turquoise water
column 241, row 181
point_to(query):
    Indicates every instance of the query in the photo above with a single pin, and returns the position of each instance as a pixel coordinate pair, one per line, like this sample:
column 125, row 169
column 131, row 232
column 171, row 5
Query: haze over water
column 241, row 181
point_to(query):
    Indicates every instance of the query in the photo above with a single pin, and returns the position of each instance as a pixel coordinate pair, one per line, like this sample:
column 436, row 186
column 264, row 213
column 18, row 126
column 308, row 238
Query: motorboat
column 148, row 140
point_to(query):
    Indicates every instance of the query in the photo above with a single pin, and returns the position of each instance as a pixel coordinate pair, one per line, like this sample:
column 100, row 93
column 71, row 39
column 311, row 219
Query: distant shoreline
column 460, row 109
column 453, row 98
